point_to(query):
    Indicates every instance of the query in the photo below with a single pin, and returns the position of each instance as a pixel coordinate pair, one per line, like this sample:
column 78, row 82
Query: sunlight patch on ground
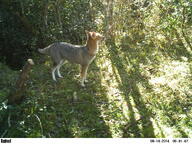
column 175, row 74
column 187, row 131
column 135, row 112
column 181, row 69
column 163, row 130
column 170, row 84
column 167, row 131
column 170, row 132
column 157, row 129
column 117, row 105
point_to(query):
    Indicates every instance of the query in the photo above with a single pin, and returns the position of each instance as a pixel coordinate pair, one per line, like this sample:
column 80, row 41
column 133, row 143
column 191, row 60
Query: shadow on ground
column 130, row 78
column 62, row 109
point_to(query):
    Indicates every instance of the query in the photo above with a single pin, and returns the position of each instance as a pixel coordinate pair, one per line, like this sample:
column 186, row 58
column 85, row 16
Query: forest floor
column 128, row 94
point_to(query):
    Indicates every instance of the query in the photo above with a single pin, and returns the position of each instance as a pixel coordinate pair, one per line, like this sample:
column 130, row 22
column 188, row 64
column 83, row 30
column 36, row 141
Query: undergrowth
column 126, row 96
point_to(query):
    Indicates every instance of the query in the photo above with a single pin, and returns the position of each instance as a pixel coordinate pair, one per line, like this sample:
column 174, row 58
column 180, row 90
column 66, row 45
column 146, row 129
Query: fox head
column 92, row 42
column 94, row 36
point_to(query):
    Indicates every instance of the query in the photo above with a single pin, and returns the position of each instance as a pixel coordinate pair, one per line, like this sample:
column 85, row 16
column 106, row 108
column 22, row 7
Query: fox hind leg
column 58, row 68
column 56, row 65
column 57, row 62
column 53, row 73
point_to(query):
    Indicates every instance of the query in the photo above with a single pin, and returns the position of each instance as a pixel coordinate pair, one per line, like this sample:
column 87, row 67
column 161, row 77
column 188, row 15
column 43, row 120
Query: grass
column 130, row 93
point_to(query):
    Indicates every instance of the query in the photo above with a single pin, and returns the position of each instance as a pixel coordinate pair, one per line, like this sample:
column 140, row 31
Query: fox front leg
column 83, row 75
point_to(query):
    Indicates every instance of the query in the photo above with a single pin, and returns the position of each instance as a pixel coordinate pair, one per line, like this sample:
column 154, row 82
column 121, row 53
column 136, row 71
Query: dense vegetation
column 140, row 84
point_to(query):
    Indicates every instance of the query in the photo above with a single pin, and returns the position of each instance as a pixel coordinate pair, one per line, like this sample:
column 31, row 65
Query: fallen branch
column 17, row 94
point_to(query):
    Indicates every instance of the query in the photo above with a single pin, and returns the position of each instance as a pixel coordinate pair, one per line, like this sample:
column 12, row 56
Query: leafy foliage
column 27, row 25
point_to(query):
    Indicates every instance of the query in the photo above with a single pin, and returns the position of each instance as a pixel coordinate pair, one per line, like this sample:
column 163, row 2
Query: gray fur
column 65, row 51
column 61, row 51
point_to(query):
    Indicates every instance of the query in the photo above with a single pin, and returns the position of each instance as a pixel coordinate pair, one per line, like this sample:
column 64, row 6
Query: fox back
column 82, row 55
column 73, row 53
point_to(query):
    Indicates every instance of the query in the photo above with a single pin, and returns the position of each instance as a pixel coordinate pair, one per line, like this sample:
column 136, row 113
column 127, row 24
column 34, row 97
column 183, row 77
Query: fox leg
column 53, row 73
column 55, row 67
column 58, row 68
column 56, row 64
column 83, row 74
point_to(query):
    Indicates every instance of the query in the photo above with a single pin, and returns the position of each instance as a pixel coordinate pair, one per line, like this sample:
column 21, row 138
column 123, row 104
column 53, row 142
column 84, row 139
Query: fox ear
column 93, row 35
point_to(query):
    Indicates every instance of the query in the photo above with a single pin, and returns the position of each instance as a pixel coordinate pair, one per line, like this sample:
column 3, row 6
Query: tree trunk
column 109, row 18
column 183, row 27
column 58, row 17
column 45, row 14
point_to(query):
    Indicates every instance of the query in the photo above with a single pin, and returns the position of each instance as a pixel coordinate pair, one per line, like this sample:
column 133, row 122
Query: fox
column 78, row 54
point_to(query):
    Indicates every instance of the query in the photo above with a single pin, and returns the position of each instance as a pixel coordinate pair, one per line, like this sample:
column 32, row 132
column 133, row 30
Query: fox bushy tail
column 44, row 50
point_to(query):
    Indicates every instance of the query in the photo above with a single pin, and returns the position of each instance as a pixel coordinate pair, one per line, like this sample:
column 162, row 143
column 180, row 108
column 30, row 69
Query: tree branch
column 17, row 95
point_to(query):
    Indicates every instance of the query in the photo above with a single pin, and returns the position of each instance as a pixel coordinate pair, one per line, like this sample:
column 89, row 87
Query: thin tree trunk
column 182, row 29
column 45, row 14
column 109, row 18
column 58, row 16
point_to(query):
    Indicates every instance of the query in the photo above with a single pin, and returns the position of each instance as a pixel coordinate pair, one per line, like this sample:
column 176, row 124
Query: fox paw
column 82, row 84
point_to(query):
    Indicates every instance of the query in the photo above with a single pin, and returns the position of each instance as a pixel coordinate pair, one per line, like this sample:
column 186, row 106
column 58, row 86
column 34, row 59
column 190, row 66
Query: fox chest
column 88, row 60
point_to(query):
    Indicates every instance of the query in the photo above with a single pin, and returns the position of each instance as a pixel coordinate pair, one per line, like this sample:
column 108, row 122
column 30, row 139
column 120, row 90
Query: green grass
column 130, row 93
